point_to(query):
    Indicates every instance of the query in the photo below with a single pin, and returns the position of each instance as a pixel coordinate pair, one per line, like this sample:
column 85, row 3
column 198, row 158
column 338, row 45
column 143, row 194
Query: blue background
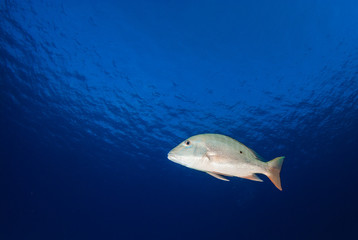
column 94, row 94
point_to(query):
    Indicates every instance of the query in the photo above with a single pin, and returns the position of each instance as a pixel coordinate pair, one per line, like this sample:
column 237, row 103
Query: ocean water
column 94, row 94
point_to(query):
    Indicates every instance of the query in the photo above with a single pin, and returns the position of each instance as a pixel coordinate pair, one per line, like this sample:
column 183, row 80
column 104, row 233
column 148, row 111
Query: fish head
column 189, row 152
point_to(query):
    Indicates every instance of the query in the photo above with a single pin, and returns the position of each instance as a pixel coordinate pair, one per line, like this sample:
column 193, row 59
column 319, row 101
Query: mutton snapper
column 220, row 155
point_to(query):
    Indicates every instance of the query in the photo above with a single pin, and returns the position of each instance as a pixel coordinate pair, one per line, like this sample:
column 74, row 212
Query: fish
column 221, row 156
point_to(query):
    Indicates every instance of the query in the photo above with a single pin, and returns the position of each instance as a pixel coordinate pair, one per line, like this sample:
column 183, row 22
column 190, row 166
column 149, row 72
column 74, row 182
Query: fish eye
column 187, row 142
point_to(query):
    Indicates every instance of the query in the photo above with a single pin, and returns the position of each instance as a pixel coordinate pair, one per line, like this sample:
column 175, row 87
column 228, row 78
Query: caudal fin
column 274, row 169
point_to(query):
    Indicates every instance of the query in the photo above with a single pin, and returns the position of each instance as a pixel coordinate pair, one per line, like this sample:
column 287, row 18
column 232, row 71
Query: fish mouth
column 171, row 157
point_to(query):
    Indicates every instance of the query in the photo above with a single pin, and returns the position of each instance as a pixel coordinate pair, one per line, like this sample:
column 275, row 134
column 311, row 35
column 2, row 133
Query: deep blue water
column 94, row 94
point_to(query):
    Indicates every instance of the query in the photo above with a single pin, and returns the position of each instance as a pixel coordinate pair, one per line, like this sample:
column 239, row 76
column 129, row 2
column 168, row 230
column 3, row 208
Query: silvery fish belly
column 220, row 156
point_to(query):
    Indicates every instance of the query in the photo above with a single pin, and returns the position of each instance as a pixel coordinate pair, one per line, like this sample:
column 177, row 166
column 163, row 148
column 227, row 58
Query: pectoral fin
column 253, row 177
column 208, row 155
column 217, row 176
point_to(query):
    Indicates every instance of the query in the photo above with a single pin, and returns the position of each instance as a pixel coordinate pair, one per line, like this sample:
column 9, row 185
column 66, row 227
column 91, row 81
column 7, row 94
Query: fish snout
column 171, row 156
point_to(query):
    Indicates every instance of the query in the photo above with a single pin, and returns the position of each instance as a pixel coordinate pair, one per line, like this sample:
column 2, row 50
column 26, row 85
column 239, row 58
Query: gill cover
column 189, row 152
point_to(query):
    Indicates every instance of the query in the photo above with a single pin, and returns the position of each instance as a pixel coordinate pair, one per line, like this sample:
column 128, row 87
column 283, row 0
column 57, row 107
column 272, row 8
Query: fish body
column 220, row 156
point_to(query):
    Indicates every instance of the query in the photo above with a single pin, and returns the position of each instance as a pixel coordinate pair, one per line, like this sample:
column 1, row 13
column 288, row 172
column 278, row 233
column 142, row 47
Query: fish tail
column 274, row 169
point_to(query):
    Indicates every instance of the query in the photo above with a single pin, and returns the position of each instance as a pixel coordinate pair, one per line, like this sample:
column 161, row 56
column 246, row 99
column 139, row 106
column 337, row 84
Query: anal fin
column 217, row 176
column 253, row 177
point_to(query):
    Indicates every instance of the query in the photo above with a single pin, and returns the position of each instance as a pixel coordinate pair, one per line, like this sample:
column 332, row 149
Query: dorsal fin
column 250, row 151
column 257, row 156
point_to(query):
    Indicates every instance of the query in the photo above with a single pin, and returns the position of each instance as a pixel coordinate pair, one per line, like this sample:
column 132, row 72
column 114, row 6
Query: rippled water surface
column 94, row 94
